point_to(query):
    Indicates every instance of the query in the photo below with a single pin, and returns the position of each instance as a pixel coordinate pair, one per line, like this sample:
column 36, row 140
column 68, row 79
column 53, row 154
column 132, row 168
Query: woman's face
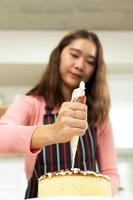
column 77, row 62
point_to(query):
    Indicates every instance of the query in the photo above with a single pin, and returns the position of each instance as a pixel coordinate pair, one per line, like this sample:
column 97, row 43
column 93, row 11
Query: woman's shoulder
column 28, row 102
column 31, row 99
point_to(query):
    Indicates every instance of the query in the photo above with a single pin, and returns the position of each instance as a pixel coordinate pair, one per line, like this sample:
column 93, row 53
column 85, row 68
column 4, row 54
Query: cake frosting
column 73, row 171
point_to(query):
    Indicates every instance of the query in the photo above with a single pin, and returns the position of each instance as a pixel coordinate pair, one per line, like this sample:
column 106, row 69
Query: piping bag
column 78, row 95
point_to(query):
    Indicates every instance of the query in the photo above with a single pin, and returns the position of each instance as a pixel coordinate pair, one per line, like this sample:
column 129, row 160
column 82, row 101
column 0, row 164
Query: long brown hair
column 97, row 92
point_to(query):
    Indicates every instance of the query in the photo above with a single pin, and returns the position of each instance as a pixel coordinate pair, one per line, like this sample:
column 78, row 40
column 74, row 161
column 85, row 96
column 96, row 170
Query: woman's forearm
column 42, row 136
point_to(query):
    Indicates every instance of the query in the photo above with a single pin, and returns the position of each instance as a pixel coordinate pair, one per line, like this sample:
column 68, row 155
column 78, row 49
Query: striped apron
column 58, row 156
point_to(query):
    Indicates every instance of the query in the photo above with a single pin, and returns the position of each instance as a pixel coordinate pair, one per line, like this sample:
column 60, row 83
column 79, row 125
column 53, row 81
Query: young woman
column 42, row 123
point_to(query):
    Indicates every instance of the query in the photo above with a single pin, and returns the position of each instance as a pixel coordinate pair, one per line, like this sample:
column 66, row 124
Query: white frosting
column 74, row 171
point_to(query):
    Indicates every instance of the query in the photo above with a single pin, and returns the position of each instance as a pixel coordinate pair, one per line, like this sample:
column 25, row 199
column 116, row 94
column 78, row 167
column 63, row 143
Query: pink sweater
column 25, row 115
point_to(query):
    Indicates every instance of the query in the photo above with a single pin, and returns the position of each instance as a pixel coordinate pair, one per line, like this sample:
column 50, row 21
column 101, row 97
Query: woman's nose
column 79, row 64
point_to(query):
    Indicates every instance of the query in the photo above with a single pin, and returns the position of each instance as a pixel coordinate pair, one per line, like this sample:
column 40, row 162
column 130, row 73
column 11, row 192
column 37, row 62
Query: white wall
column 35, row 46
column 121, row 89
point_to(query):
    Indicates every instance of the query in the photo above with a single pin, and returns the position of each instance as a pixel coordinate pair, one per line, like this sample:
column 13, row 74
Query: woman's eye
column 91, row 63
column 74, row 55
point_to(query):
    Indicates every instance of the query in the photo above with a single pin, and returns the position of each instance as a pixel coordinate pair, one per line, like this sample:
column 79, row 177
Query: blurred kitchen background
column 29, row 30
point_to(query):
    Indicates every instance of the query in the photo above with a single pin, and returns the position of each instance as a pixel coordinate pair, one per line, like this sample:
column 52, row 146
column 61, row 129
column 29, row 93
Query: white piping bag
column 77, row 93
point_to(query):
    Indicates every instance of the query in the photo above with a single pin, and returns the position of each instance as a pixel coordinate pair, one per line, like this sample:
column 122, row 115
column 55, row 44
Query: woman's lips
column 76, row 76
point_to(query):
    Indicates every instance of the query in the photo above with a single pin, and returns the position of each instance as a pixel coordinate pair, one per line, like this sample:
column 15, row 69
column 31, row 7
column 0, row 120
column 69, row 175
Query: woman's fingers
column 76, row 114
column 82, row 99
column 71, row 121
column 74, row 106
column 76, row 123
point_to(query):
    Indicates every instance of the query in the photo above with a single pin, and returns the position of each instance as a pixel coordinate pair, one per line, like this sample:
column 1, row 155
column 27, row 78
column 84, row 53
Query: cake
column 74, row 183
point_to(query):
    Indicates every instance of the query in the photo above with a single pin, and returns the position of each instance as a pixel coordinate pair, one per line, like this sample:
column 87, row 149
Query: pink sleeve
column 15, row 133
column 107, row 155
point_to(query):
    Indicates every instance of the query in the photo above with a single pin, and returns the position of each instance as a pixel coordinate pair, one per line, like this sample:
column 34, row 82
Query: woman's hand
column 71, row 121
